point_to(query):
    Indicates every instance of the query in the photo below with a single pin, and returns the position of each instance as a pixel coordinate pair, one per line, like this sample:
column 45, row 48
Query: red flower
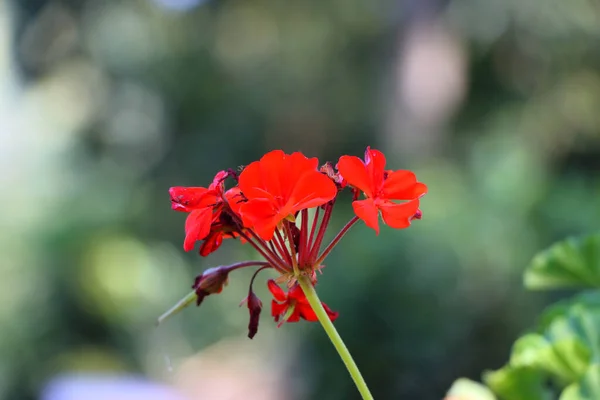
column 380, row 187
column 292, row 306
column 278, row 186
column 222, row 226
column 204, row 206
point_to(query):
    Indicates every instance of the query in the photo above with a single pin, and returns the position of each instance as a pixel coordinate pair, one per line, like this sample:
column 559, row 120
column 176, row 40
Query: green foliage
column 570, row 263
column 516, row 383
column 466, row 389
column 563, row 353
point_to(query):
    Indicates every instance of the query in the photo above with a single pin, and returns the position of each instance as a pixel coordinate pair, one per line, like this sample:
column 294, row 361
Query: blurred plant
column 269, row 210
column 561, row 357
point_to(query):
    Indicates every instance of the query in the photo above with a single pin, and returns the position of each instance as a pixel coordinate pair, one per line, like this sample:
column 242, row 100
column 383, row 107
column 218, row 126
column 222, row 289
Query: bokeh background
column 106, row 104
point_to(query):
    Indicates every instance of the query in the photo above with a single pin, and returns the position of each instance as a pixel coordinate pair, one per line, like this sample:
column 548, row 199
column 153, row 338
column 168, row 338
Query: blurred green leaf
column 574, row 262
column 466, row 389
column 566, row 359
column 577, row 319
column 588, row 388
column 520, row 383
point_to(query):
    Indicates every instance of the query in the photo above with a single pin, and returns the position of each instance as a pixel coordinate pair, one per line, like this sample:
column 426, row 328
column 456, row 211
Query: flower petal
column 375, row 165
column 399, row 216
column 212, row 242
column 295, row 316
column 403, row 185
column 312, row 189
column 272, row 169
column 276, row 291
column 197, row 226
column 306, row 312
column 250, row 181
column 260, row 215
column 331, row 314
column 353, row 170
column 188, row 198
column 234, row 199
column 366, row 210
column 297, row 165
column 278, row 309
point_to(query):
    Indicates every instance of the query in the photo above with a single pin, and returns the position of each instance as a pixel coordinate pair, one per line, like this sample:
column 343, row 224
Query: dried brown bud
column 209, row 282
column 254, row 307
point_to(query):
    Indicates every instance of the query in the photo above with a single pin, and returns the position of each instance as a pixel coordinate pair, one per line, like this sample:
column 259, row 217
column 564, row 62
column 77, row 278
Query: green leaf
column 511, row 383
column 588, row 388
column 576, row 319
column 574, row 262
column 466, row 389
column 566, row 359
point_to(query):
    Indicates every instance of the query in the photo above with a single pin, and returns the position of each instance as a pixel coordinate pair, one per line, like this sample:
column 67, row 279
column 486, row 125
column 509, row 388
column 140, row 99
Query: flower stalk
column 268, row 208
column 334, row 336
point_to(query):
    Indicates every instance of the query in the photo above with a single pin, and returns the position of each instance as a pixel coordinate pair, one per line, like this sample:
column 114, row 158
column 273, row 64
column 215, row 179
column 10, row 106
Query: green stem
column 181, row 304
column 334, row 336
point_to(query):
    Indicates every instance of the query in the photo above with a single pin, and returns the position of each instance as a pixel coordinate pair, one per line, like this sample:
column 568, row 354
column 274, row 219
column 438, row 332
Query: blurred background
column 106, row 104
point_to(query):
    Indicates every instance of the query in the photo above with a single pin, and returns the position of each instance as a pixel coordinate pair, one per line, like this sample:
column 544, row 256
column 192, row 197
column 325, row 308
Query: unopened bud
column 254, row 307
column 209, row 282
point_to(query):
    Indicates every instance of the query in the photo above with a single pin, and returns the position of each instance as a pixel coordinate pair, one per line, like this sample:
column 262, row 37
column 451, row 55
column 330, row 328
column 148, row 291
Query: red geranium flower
column 278, row 186
column 204, row 206
column 222, row 226
column 292, row 306
column 380, row 187
column 269, row 210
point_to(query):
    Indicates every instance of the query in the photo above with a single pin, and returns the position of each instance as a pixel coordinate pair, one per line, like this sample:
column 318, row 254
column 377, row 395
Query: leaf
column 574, row 262
column 522, row 383
column 588, row 388
column 466, row 389
column 565, row 359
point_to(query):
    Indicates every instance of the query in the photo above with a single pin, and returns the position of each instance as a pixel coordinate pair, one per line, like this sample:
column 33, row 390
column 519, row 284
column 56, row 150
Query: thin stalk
column 322, row 228
column 288, row 232
column 280, row 243
column 335, row 240
column 268, row 255
column 313, row 228
column 334, row 336
column 303, row 237
column 191, row 297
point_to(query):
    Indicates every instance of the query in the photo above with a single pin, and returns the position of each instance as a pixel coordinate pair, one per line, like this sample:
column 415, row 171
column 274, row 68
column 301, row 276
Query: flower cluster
column 268, row 209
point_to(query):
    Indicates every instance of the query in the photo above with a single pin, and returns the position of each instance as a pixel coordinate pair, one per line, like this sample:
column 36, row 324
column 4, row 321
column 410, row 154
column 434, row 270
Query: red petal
column 331, row 314
column 296, row 293
column 250, row 181
column 234, row 199
column 403, row 185
column 217, row 182
column 272, row 167
column 375, row 164
column 295, row 317
column 278, row 309
column 398, row 216
column 197, row 227
column 211, row 243
column 276, row 291
column 260, row 215
column 297, row 165
column 366, row 210
column 188, row 198
column 312, row 189
column 354, row 172
column 306, row 312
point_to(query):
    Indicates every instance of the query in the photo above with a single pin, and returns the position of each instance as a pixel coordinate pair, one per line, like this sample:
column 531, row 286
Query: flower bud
column 210, row 281
column 254, row 307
